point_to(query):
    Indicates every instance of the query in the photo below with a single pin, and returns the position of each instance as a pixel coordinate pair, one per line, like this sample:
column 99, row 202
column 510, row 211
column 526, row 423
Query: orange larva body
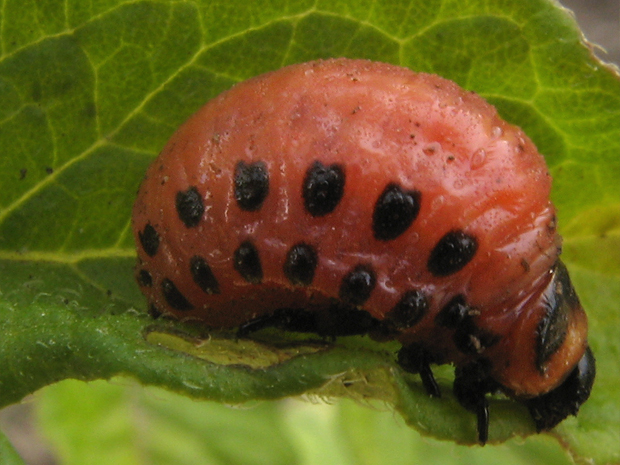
column 347, row 185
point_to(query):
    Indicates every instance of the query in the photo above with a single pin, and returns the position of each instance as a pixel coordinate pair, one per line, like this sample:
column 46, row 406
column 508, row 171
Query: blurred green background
column 122, row 423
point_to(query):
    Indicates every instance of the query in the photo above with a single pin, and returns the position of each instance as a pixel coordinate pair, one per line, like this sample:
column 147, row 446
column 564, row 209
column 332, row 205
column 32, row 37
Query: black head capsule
column 551, row 408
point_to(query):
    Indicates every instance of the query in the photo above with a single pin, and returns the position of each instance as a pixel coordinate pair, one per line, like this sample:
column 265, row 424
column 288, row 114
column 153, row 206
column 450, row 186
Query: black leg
column 482, row 412
column 416, row 359
column 471, row 384
column 338, row 320
column 261, row 322
column 291, row 319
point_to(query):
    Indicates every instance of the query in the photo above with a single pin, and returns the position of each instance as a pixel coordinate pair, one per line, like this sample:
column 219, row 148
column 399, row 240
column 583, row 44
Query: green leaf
column 8, row 456
column 116, row 424
column 91, row 91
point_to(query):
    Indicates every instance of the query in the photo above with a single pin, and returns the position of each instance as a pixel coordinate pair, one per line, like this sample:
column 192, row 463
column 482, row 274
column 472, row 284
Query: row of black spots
column 201, row 274
column 299, row 265
column 356, row 287
column 394, row 212
column 468, row 337
column 322, row 191
column 299, row 268
column 323, row 188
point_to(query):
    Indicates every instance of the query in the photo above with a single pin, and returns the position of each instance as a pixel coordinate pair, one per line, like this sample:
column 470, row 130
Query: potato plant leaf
column 91, row 91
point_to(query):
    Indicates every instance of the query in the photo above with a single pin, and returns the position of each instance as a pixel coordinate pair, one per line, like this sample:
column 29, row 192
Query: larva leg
column 471, row 384
column 416, row 359
column 292, row 319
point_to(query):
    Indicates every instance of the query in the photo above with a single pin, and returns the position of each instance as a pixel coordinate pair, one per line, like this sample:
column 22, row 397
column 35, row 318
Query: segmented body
column 352, row 186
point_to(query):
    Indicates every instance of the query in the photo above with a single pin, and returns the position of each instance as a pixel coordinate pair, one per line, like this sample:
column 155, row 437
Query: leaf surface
column 91, row 91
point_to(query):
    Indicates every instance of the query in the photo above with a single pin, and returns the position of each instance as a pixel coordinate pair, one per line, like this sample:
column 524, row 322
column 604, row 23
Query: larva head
column 549, row 361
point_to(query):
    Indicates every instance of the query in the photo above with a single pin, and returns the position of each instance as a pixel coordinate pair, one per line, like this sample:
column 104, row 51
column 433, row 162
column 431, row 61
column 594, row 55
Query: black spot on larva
column 154, row 312
column 357, row 285
column 452, row 253
column 394, row 212
column 323, row 188
column 145, row 279
column 453, row 313
column 203, row 276
column 300, row 264
column 409, row 310
column 247, row 262
column 251, row 185
column 149, row 239
column 174, row 297
column 559, row 300
column 190, row 207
